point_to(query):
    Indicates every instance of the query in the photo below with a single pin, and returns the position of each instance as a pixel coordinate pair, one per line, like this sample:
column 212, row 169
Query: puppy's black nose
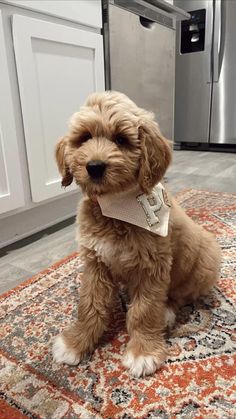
column 95, row 168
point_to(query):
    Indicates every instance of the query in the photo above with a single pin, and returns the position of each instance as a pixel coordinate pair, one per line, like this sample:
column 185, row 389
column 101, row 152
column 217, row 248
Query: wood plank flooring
column 211, row 171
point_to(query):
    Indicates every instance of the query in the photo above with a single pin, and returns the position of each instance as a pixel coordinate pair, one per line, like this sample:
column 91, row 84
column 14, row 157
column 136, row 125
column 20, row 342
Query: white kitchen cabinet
column 58, row 67
column 11, row 188
column 51, row 58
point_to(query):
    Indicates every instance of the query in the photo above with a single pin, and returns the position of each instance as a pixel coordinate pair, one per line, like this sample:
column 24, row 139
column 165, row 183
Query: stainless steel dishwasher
column 139, row 43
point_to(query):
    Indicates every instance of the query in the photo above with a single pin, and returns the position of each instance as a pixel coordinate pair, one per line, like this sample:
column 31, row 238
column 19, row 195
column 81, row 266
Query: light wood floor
column 190, row 169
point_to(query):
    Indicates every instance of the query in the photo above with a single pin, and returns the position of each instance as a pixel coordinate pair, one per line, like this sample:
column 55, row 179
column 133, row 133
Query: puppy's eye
column 121, row 140
column 85, row 137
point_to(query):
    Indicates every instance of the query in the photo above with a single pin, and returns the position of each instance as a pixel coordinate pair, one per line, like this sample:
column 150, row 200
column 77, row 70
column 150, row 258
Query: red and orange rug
column 197, row 381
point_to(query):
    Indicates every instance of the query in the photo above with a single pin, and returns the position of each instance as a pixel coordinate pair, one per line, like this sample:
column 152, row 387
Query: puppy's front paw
column 63, row 354
column 141, row 365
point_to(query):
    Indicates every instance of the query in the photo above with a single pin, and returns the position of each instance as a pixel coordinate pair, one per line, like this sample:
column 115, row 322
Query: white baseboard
column 24, row 224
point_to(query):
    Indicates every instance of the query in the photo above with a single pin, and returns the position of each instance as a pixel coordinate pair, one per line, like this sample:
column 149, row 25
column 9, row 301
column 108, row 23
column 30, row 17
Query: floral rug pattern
column 197, row 381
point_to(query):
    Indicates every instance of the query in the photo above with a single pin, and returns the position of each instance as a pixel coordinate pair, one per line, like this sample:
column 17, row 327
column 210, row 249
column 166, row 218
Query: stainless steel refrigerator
column 205, row 96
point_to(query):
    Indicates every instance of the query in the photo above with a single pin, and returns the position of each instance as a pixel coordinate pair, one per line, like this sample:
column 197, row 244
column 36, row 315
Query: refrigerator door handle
column 209, row 39
column 217, row 35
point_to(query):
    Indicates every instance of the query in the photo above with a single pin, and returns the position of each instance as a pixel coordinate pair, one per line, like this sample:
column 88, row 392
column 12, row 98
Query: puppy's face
column 112, row 146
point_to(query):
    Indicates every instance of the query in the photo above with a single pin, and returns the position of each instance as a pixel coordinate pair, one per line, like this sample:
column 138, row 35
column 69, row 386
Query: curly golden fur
column 160, row 274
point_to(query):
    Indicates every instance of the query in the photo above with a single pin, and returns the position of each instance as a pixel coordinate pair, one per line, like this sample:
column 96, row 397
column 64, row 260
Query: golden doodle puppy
column 131, row 232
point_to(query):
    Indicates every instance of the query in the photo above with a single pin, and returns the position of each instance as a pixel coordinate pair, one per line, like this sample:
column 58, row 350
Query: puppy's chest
column 116, row 254
column 122, row 247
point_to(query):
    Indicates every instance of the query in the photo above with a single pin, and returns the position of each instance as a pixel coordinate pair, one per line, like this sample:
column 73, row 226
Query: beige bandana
column 147, row 211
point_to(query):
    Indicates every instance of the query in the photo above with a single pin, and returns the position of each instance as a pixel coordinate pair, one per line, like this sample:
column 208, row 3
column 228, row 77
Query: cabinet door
column 11, row 187
column 58, row 67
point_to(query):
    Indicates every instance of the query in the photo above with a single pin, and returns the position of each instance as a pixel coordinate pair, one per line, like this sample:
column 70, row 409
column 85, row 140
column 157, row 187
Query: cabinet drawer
column 86, row 12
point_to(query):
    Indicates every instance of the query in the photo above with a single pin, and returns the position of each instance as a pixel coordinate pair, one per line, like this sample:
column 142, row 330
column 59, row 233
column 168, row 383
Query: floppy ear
column 60, row 154
column 156, row 155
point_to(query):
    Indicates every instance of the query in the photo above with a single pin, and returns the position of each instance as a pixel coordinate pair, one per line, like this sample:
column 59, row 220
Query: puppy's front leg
column 96, row 299
column 146, row 321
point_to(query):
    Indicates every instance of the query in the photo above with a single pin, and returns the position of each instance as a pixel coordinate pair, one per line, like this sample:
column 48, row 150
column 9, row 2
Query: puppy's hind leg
column 202, row 277
column 96, row 300
column 207, row 268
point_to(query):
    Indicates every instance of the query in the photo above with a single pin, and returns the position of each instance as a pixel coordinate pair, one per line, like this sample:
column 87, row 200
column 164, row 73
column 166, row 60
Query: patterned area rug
column 197, row 381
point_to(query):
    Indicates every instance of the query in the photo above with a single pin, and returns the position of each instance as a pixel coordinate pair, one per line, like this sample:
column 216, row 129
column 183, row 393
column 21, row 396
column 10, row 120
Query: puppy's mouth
column 96, row 187
column 104, row 186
